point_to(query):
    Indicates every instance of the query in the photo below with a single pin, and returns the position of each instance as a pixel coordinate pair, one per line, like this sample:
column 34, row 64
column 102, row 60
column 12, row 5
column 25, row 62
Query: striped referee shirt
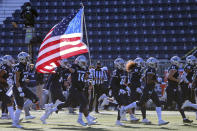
column 98, row 76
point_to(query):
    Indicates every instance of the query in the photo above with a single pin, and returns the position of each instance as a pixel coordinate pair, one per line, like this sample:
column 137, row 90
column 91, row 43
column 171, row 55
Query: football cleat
column 118, row 123
column 81, row 122
column 91, row 122
column 146, row 121
column 133, row 118
column 123, row 117
column 43, row 119
column 187, row 121
column 92, row 118
column 4, row 117
column 16, row 125
column 162, row 122
column 29, row 117
column 196, row 115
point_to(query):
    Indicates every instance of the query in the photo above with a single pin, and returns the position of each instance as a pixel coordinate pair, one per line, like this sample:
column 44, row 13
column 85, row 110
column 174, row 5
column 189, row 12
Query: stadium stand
column 126, row 28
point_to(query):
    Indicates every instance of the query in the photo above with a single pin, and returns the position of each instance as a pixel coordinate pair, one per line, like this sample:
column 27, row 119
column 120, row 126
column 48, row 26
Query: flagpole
column 86, row 34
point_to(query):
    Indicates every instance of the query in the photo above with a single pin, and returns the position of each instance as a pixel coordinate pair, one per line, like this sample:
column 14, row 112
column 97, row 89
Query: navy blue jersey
column 56, row 79
column 118, row 81
column 154, row 77
column 176, row 75
column 78, row 79
column 8, row 71
column 32, row 78
column 23, row 69
column 63, row 77
column 64, row 74
column 190, row 74
column 134, row 78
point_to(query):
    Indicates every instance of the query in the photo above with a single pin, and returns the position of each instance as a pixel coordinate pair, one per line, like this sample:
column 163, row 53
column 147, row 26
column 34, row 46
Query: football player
column 186, row 81
column 172, row 90
column 6, row 83
column 56, row 84
column 119, row 91
column 194, row 82
column 134, row 69
column 20, row 89
column 150, row 79
column 79, row 75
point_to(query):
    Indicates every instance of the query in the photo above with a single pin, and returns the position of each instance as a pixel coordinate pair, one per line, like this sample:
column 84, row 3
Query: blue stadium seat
column 143, row 26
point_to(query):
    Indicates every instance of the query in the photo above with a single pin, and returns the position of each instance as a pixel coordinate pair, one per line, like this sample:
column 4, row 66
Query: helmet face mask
column 175, row 60
column 23, row 57
column 119, row 63
column 140, row 62
column 64, row 63
column 8, row 60
column 191, row 60
column 81, row 61
column 152, row 62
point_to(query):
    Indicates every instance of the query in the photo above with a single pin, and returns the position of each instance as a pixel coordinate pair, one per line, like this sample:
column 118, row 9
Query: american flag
column 64, row 40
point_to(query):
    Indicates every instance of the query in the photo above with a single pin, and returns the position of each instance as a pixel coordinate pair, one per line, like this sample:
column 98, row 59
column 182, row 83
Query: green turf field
column 106, row 122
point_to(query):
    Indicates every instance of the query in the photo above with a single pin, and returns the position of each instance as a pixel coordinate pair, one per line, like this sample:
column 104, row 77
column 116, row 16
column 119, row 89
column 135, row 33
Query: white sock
column 118, row 121
column 55, row 109
column 158, row 110
column 131, row 116
column 193, row 105
column 88, row 118
column 132, row 105
column 80, row 115
column 4, row 113
column 17, row 116
column 27, row 103
column 196, row 115
column 11, row 112
column 26, row 107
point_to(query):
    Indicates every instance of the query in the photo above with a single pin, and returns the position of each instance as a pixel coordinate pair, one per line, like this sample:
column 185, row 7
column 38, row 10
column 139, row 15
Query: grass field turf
column 106, row 122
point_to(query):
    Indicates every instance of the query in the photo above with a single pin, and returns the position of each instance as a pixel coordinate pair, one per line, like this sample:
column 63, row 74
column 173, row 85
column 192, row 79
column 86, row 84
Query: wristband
column 20, row 89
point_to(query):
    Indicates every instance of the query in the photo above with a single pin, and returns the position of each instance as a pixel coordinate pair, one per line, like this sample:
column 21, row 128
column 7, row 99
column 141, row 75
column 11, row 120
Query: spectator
column 28, row 14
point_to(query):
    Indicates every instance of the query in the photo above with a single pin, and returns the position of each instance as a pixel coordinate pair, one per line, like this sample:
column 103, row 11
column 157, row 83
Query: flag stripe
column 63, row 41
column 63, row 56
column 58, row 48
column 60, row 37
column 59, row 53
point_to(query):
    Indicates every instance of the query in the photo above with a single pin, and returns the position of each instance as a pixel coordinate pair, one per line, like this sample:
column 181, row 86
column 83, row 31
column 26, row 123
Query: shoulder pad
column 3, row 67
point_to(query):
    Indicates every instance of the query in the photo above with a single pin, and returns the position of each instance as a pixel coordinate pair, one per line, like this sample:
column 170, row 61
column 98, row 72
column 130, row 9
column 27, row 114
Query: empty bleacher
column 126, row 28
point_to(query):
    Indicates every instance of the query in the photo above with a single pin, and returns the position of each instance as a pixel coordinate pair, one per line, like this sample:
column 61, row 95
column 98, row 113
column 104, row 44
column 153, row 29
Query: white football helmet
column 81, row 61
column 152, row 62
column 175, row 60
column 139, row 61
column 23, row 57
column 119, row 63
column 191, row 60
column 8, row 60
column 105, row 68
column 64, row 63
column 1, row 62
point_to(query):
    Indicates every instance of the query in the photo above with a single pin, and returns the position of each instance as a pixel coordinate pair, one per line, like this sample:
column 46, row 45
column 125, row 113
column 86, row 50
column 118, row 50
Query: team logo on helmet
column 152, row 62
column 119, row 63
